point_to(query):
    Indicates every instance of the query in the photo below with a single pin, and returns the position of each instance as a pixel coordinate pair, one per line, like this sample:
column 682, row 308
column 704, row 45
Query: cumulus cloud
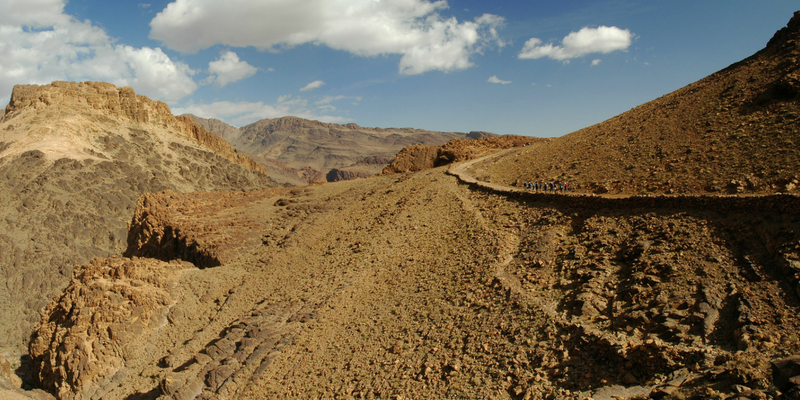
column 228, row 69
column 495, row 79
column 596, row 61
column 412, row 28
column 603, row 39
column 40, row 44
column 312, row 86
column 243, row 113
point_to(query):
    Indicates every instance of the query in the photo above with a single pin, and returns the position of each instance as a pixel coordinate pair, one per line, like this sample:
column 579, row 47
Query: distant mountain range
column 299, row 151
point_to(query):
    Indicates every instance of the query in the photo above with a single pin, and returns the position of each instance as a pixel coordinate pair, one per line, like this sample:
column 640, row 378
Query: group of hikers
column 547, row 186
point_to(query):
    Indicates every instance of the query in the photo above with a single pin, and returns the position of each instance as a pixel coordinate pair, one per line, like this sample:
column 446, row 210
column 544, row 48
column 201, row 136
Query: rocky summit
column 648, row 279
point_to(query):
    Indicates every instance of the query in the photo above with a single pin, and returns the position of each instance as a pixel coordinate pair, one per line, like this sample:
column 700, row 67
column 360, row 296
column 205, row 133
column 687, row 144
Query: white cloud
column 228, row 69
column 324, row 104
column 603, row 39
column 596, row 61
column 41, row 44
column 412, row 28
column 312, row 86
column 33, row 13
column 330, row 99
column 495, row 79
column 243, row 113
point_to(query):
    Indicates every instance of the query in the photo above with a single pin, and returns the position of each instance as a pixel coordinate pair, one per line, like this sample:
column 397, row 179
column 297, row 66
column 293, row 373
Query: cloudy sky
column 538, row 68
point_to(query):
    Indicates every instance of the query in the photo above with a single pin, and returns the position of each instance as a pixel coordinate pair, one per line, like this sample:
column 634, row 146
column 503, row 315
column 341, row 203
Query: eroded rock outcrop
column 80, row 348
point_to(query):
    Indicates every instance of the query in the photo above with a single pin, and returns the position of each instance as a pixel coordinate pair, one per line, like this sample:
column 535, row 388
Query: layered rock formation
column 74, row 158
column 290, row 146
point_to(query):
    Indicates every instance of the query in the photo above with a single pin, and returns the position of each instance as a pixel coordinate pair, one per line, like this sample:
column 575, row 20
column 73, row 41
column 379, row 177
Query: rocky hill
column 74, row 159
column 300, row 151
column 735, row 131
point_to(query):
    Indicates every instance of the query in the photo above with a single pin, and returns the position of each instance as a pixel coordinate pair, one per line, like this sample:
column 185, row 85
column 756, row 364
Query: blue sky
column 511, row 67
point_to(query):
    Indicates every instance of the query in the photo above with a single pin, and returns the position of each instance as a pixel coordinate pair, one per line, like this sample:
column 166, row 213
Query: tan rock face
column 86, row 335
column 118, row 104
column 105, row 97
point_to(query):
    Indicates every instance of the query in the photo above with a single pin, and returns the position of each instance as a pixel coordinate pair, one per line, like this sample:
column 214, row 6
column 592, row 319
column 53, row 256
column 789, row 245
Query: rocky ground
column 418, row 286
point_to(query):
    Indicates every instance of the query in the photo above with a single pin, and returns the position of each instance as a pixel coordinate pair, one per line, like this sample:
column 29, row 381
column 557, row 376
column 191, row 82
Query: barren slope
column 74, row 157
column 416, row 286
column 735, row 131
